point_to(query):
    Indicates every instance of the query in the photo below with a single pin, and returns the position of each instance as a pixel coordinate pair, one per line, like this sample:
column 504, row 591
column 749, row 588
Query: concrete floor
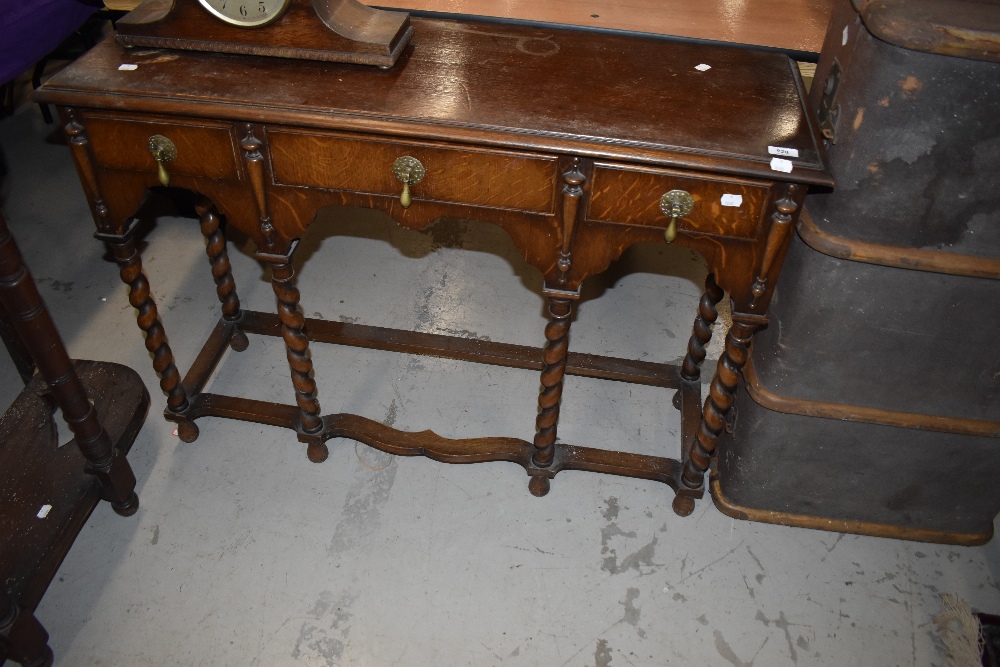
column 245, row 553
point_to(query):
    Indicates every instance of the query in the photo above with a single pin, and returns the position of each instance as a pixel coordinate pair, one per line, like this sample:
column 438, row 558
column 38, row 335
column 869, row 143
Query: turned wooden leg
column 297, row 348
column 717, row 407
column 15, row 347
column 149, row 320
column 550, row 395
column 222, row 273
column 701, row 334
column 33, row 323
column 22, row 637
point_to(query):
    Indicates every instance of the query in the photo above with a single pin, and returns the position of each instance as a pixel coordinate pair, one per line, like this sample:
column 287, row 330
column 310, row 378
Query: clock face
column 246, row 13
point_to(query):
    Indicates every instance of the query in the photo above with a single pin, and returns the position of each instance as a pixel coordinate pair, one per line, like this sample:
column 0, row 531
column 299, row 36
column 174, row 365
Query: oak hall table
column 577, row 144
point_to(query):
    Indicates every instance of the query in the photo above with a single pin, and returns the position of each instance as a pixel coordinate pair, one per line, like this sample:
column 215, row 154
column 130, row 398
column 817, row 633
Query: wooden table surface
column 794, row 25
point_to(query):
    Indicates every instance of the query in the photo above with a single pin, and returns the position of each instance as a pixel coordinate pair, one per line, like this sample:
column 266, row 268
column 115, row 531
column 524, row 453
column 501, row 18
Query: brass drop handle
column 163, row 151
column 408, row 170
column 675, row 204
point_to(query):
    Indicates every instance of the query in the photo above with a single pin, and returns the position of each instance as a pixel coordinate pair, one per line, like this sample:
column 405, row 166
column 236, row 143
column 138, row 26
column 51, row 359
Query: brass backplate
column 676, row 203
column 408, row 170
column 162, row 148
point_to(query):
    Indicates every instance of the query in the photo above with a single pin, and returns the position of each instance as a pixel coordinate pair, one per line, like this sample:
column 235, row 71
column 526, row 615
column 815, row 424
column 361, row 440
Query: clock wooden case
column 330, row 30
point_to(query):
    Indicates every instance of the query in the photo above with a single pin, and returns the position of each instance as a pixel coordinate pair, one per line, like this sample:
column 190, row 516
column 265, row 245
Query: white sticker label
column 127, row 68
column 843, row 42
column 732, row 200
column 174, row 432
column 783, row 152
column 703, row 67
column 781, row 165
column 44, row 512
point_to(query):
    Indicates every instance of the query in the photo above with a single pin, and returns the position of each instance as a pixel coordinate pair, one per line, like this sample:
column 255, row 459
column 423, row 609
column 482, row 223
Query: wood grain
column 632, row 196
column 515, row 87
column 203, row 149
column 796, row 25
column 493, row 179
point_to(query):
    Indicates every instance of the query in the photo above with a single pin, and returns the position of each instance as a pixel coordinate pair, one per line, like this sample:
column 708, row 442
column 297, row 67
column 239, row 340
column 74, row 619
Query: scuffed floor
column 245, row 553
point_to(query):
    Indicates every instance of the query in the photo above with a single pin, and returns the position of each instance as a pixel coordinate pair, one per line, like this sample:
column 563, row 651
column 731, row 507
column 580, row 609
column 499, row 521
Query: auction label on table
column 781, row 165
column 782, row 151
column 732, row 200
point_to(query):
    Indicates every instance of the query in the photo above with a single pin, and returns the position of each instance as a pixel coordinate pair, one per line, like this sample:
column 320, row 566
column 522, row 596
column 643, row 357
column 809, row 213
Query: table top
column 602, row 95
column 789, row 25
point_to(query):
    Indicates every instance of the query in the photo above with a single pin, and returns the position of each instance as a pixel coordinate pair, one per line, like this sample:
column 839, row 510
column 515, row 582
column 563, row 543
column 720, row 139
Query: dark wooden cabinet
column 568, row 140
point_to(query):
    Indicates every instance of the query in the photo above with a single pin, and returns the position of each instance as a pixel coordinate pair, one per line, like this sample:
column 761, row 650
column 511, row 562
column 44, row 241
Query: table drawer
column 476, row 177
column 204, row 149
column 631, row 196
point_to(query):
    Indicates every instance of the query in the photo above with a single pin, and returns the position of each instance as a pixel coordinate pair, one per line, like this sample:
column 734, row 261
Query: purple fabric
column 30, row 29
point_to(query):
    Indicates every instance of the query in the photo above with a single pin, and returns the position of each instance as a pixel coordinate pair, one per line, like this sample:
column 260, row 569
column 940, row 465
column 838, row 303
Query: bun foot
column 239, row 341
column 188, row 431
column 538, row 485
column 317, row 452
column 127, row 507
column 677, row 399
column 683, row 505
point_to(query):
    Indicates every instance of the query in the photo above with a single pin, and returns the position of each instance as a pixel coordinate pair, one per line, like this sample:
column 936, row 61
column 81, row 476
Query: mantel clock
column 330, row 30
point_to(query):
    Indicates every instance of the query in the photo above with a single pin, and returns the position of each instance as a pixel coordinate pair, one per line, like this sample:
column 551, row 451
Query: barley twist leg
column 701, row 334
column 297, row 349
column 148, row 320
column 222, row 273
column 717, row 407
column 550, row 395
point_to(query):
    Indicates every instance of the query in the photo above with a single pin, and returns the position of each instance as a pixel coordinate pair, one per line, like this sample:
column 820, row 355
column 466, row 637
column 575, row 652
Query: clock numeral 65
column 261, row 8
column 250, row 13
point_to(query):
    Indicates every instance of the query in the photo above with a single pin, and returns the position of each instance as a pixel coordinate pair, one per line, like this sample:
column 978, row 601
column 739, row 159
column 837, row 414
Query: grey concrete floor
column 245, row 553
